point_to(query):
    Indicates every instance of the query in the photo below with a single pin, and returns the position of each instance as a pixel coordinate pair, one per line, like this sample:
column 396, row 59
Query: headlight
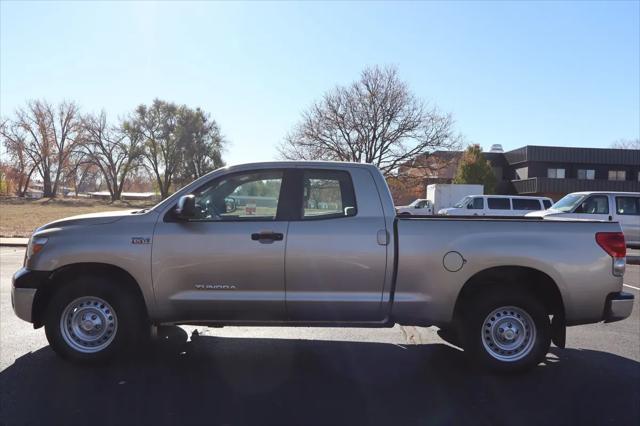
column 36, row 244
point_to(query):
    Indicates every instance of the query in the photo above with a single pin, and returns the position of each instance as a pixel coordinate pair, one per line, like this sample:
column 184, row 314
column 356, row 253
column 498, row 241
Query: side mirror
column 186, row 207
column 470, row 206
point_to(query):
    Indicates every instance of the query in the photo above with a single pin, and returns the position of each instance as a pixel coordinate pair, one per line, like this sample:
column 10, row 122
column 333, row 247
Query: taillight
column 613, row 243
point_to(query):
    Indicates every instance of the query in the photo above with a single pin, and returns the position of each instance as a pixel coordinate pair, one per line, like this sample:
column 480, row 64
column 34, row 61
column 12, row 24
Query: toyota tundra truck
column 317, row 244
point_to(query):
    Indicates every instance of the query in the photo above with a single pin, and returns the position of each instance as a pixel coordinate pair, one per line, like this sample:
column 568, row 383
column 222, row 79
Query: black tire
column 123, row 332
column 484, row 342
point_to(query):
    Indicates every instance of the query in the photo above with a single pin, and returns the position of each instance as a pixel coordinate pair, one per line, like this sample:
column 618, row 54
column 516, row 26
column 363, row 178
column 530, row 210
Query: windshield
column 415, row 202
column 462, row 203
column 568, row 202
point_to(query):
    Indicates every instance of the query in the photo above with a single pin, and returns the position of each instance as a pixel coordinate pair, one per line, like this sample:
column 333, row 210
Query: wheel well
column 528, row 279
column 60, row 277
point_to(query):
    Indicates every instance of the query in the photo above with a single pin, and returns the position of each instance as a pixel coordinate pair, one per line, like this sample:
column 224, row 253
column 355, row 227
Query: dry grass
column 19, row 217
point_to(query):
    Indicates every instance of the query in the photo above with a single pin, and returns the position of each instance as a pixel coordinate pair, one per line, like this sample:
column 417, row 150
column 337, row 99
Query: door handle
column 267, row 236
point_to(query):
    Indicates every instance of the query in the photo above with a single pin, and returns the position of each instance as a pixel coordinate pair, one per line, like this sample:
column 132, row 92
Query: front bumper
column 618, row 306
column 24, row 286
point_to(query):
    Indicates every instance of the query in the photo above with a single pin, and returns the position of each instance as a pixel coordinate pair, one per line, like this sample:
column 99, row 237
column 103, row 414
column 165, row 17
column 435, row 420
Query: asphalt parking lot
column 236, row 375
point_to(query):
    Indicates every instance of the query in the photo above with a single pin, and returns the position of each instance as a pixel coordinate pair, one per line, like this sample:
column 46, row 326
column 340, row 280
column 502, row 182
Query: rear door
column 628, row 214
column 336, row 256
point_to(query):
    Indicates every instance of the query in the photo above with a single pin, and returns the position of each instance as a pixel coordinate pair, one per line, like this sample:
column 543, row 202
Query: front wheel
column 507, row 331
column 92, row 319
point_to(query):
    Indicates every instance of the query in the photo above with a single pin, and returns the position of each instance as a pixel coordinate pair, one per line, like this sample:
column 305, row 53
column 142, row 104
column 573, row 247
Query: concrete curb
column 14, row 242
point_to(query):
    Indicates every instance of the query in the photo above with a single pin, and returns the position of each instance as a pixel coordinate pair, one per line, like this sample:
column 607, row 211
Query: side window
column 597, row 204
column 328, row 194
column 248, row 196
column 498, row 203
column 628, row 206
column 477, row 204
column 525, row 204
column 547, row 204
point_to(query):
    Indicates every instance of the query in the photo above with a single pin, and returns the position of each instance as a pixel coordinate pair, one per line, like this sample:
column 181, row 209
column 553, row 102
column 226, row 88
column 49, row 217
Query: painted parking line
column 630, row 286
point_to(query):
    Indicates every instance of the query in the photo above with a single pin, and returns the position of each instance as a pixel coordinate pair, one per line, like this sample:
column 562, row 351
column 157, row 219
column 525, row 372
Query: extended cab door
column 336, row 255
column 228, row 262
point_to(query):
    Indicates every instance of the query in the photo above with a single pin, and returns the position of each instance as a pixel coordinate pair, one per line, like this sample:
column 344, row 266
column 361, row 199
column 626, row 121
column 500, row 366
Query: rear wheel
column 506, row 331
column 92, row 319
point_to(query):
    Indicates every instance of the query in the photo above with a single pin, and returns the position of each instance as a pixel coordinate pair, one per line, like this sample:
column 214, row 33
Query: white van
column 621, row 207
column 497, row 205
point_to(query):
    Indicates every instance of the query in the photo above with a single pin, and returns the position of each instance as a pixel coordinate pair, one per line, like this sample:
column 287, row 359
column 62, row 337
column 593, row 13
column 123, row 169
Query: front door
column 594, row 207
column 336, row 256
column 228, row 262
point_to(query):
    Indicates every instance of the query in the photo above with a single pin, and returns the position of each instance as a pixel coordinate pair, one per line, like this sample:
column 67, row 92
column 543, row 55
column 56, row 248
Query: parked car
column 502, row 289
column 621, row 207
column 439, row 196
column 497, row 205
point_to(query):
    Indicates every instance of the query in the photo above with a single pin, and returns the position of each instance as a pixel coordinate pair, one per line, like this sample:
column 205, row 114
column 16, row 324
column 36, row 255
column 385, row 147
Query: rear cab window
column 327, row 194
column 628, row 206
column 496, row 203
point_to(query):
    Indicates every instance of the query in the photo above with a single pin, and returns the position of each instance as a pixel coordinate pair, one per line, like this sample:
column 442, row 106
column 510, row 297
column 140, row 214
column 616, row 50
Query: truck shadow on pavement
column 216, row 380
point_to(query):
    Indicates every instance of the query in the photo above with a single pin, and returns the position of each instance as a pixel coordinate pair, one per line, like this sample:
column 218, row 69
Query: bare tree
column 15, row 143
column 80, row 171
column 626, row 144
column 374, row 120
column 115, row 150
column 49, row 133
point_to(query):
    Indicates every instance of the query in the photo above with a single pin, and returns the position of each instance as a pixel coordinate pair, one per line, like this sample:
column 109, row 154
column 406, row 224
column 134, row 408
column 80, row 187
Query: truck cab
column 621, row 207
column 419, row 207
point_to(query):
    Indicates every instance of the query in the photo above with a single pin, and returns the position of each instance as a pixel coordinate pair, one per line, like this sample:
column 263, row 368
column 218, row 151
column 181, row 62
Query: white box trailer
column 444, row 195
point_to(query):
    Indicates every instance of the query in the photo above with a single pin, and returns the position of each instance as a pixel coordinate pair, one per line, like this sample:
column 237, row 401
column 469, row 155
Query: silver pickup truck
column 317, row 244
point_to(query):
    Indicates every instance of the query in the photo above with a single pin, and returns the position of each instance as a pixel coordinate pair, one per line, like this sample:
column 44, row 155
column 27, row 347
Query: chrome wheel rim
column 88, row 324
column 508, row 334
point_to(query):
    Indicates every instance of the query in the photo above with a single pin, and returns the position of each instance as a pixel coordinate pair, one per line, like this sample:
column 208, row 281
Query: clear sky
column 513, row 73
